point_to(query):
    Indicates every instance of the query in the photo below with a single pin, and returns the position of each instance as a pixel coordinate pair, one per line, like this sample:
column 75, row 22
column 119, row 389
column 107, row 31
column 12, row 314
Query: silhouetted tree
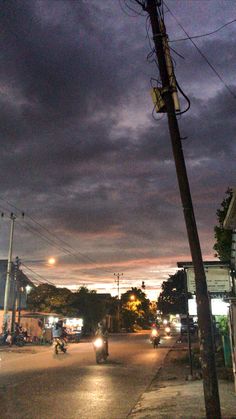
column 223, row 237
column 50, row 299
column 172, row 299
column 90, row 306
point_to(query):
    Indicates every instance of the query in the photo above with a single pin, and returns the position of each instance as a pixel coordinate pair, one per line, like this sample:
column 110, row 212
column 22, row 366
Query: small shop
column 73, row 328
column 39, row 326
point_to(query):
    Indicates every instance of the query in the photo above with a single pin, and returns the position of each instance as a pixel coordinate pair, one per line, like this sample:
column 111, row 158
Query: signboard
column 218, row 307
column 218, row 279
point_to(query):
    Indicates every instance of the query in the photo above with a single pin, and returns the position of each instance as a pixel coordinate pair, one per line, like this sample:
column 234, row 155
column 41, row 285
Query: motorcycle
column 19, row 340
column 60, row 344
column 100, row 347
column 155, row 338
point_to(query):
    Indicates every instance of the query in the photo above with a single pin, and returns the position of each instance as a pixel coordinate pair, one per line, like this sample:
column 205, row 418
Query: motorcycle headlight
column 98, row 343
column 167, row 329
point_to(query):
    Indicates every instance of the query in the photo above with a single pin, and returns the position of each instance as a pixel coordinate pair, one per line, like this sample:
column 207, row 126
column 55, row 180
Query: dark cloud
column 81, row 152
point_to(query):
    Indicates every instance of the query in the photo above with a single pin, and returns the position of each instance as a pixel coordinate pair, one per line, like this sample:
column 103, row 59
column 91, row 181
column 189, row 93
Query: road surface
column 36, row 384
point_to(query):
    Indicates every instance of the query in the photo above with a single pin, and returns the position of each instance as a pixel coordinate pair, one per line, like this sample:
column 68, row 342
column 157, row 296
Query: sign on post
column 218, row 279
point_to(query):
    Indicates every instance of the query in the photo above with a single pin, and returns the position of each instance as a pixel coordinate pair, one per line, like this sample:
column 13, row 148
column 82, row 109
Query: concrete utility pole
column 118, row 283
column 15, row 293
column 118, row 292
column 8, row 277
column 210, row 384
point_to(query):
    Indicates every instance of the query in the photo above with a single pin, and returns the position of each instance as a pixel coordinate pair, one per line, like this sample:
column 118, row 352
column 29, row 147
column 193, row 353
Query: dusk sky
column 81, row 153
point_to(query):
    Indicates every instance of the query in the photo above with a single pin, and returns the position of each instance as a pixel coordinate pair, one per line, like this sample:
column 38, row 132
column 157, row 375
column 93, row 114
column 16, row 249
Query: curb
column 151, row 382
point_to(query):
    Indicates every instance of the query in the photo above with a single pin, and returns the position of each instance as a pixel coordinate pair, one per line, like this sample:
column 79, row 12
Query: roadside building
column 221, row 290
column 230, row 224
column 17, row 299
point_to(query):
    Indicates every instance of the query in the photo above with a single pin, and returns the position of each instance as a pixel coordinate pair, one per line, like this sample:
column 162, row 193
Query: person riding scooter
column 103, row 333
column 155, row 337
column 58, row 337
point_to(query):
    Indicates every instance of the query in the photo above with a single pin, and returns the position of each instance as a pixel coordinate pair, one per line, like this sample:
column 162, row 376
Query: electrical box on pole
column 157, row 93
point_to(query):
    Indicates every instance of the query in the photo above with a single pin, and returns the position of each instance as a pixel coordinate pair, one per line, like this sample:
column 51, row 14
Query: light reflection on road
column 85, row 390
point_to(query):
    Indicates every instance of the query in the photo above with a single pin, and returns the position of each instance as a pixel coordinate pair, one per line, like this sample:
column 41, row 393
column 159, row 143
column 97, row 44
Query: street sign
column 218, row 279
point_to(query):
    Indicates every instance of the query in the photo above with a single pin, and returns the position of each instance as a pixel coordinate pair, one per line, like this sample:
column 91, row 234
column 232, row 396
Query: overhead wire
column 126, row 6
column 63, row 249
column 33, row 230
column 51, row 241
column 202, row 54
column 204, row 34
column 36, row 274
column 131, row 8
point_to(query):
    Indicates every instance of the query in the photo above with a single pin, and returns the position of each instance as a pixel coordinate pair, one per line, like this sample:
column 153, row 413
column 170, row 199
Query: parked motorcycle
column 155, row 338
column 20, row 339
column 100, row 348
column 59, row 344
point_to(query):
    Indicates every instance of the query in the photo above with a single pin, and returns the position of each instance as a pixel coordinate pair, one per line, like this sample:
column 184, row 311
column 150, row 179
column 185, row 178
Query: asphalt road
column 37, row 384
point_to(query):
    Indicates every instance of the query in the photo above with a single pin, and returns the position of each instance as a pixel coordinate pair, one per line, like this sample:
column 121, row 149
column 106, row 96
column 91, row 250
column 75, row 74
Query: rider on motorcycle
column 103, row 333
column 58, row 336
column 155, row 336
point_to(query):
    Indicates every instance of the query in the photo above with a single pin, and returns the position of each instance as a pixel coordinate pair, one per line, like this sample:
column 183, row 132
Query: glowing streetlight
column 51, row 261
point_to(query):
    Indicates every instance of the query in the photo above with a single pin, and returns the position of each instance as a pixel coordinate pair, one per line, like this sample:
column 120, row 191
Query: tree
column 84, row 303
column 90, row 306
column 135, row 309
column 50, row 299
column 223, row 237
column 172, row 299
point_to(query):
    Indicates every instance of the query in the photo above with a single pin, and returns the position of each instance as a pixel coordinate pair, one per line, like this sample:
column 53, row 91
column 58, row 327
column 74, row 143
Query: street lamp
column 51, row 261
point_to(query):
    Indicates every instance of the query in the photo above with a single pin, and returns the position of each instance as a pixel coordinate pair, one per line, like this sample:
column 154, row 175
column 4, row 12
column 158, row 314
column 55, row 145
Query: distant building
column 21, row 289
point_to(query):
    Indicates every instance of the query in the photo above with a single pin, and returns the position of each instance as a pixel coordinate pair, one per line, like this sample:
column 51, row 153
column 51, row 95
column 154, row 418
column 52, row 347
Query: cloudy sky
column 81, row 153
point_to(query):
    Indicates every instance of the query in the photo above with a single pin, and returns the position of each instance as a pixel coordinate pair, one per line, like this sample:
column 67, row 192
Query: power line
column 127, row 6
column 74, row 253
column 204, row 34
column 202, row 54
column 35, row 273
column 63, row 249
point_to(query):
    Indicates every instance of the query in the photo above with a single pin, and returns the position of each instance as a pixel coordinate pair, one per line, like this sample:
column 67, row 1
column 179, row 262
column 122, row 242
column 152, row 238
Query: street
column 35, row 383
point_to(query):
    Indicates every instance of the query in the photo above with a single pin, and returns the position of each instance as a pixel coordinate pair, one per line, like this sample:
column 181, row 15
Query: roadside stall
column 39, row 326
column 73, row 328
